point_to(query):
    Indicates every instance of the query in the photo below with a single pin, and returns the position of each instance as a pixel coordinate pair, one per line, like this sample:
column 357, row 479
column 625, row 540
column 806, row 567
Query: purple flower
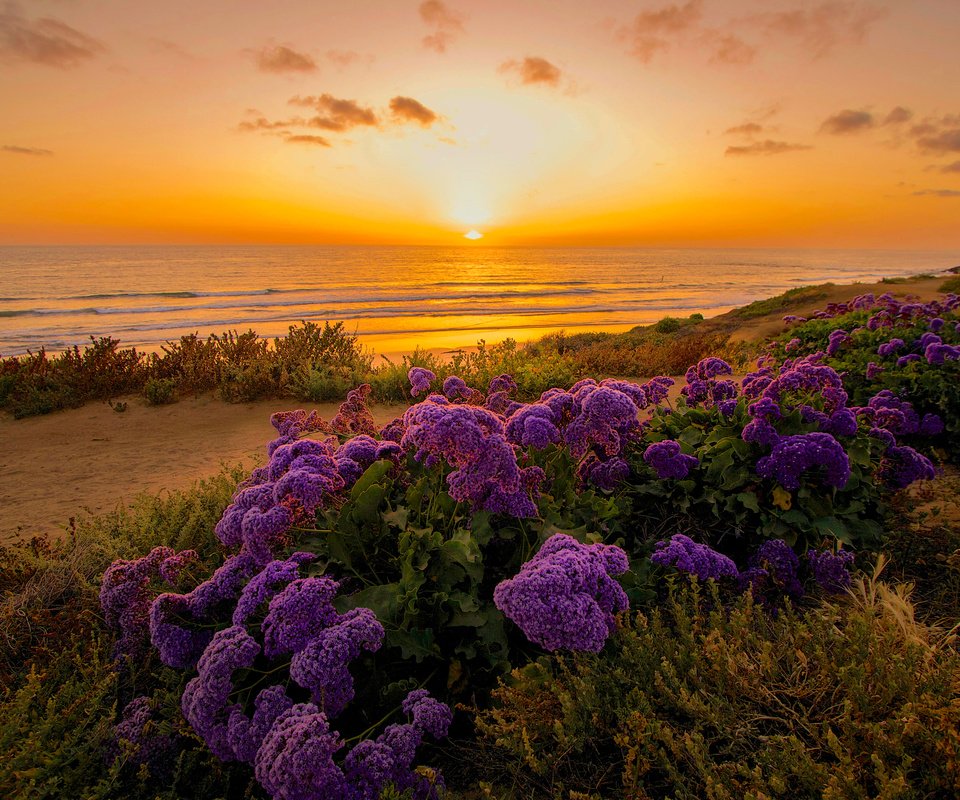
column 686, row 555
column 712, row 367
column 667, row 460
column 533, row 426
column 772, row 570
column 873, row 370
column 322, row 665
column 353, row 416
column 793, row 455
column 938, row 353
column 606, row 475
column 295, row 761
column 657, row 389
column 836, row 340
column 765, row 408
column 138, row 738
column 245, row 735
column 266, row 584
column 125, row 598
column 931, row 425
column 891, row 347
column 830, row 570
column 205, row 699
column 565, row 596
column 605, row 418
column 761, row 432
column 454, row 387
column 502, row 383
column 420, row 380
column 903, row 465
column 904, row 360
column 297, row 614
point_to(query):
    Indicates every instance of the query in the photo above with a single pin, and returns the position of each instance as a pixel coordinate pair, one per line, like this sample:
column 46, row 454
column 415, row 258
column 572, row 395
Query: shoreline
column 92, row 459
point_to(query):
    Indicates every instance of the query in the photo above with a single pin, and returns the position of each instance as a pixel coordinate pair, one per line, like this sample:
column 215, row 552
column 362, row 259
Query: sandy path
column 93, row 458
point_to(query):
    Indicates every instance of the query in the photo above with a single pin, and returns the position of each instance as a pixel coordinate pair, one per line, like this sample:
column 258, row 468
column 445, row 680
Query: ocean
column 396, row 298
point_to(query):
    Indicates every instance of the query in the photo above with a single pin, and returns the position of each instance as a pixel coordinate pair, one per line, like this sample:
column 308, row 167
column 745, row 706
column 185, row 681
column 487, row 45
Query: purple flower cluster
column 667, row 460
column 125, row 594
column 902, row 465
column 565, row 596
column 420, row 380
column 296, row 759
column 686, row 555
column 138, row 739
column 473, row 441
column 772, row 572
column 831, row 571
column 703, row 386
column 353, row 416
column 791, row 456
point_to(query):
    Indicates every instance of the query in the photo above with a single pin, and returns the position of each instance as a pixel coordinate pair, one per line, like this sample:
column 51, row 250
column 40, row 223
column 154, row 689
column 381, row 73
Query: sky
column 794, row 123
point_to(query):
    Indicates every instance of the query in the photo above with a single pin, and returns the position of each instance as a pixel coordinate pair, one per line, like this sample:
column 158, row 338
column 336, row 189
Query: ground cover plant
column 499, row 589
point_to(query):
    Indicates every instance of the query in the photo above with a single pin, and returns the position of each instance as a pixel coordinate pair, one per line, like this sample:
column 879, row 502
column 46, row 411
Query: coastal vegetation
column 531, row 584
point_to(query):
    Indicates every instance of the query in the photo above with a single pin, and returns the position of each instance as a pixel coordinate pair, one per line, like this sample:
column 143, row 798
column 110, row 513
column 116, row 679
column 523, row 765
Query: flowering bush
column 565, row 596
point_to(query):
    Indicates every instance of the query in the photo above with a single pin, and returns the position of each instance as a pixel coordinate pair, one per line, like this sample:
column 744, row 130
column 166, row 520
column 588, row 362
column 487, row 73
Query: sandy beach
column 93, row 459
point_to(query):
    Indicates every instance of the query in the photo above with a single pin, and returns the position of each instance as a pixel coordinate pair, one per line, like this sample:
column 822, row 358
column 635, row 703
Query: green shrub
column 667, row 325
column 950, row 285
column 849, row 700
column 160, row 391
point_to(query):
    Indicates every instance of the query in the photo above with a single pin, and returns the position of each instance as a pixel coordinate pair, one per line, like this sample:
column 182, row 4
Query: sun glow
column 473, row 235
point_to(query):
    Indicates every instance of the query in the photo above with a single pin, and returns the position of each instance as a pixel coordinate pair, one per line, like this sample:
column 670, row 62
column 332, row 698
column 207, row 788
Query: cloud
column 746, row 129
column 948, row 168
column 336, row 114
column 302, row 138
column 937, row 193
column 533, row 70
column 44, row 41
column 728, row 48
column 25, row 151
column 652, row 31
column 261, row 123
column 406, row 109
column 942, row 141
column 767, row 147
column 848, row 121
column 822, row 27
column 280, row 58
column 345, row 58
column 897, row 116
column 447, row 25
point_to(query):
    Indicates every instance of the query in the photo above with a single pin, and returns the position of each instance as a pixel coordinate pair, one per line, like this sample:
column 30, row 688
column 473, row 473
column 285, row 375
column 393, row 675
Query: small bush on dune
column 851, row 699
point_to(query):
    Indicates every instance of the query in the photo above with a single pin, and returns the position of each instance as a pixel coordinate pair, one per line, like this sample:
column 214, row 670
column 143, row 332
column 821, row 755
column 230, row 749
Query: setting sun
column 474, row 235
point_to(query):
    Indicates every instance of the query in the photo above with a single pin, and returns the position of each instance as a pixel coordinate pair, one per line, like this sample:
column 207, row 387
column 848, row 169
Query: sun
column 473, row 235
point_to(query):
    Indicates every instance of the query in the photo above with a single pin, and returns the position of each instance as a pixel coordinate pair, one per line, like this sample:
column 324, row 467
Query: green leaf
column 416, row 643
column 372, row 475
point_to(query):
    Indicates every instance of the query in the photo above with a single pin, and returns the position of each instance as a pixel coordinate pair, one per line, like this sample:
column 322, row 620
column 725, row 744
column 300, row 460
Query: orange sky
column 705, row 122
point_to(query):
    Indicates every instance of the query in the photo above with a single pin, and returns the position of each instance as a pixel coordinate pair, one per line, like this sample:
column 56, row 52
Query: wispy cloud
column 942, row 141
column 302, row 138
column 951, row 168
column 406, row 109
column 898, row 116
column 44, row 41
column 346, row 58
column 280, row 58
column 821, row 27
column 729, row 48
column 654, row 31
column 334, row 113
column 767, row 147
column 746, row 129
column 25, row 151
column 337, row 115
column 445, row 23
column 533, row 70
column 848, row 121
column 937, row 193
